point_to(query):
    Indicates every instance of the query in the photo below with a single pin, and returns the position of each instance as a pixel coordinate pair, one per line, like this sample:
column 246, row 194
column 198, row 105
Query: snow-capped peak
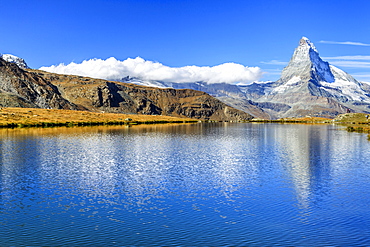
column 306, row 63
column 307, row 43
column 306, row 66
column 14, row 59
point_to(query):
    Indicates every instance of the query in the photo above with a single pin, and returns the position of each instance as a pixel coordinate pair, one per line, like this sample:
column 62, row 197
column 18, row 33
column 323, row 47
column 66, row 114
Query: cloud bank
column 113, row 69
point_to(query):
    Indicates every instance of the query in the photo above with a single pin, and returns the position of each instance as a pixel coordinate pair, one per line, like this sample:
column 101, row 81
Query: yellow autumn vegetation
column 29, row 117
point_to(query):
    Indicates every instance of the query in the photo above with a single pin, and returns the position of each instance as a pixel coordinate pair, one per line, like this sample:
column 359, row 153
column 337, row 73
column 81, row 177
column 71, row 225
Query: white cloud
column 113, row 69
column 343, row 43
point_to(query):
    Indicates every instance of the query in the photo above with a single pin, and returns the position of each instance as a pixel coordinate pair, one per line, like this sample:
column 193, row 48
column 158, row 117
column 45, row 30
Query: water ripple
column 186, row 185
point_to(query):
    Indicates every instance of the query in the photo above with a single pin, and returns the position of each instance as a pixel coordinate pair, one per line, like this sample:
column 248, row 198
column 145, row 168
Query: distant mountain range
column 307, row 86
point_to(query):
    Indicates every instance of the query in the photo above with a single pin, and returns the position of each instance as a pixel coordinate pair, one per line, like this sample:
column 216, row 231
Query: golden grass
column 354, row 122
column 353, row 118
column 24, row 117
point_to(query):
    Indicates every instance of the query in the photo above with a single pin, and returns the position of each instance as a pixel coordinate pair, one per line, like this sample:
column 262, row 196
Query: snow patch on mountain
column 287, row 85
column 345, row 85
column 16, row 60
column 148, row 83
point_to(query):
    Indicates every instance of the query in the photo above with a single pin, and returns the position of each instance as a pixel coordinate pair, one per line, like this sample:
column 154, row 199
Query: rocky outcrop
column 26, row 89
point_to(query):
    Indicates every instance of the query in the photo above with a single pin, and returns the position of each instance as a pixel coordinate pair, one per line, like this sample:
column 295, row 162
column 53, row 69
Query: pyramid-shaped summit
column 306, row 64
column 310, row 86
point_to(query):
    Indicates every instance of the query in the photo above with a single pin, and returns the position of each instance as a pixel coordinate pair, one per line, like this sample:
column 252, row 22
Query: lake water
column 222, row 184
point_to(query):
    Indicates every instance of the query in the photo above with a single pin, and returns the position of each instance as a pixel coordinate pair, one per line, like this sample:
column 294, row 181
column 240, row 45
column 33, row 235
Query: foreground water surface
column 218, row 184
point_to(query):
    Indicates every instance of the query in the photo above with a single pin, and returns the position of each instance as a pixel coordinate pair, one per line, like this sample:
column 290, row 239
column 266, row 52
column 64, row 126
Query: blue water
column 222, row 184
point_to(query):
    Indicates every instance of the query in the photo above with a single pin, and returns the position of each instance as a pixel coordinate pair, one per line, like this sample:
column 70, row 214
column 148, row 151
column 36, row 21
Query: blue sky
column 180, row 33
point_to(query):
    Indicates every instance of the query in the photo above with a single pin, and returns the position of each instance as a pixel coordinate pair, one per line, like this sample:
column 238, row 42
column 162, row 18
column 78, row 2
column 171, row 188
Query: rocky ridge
column 117, row 97
column 228, row 93
column 20, row 88
column 39, row 89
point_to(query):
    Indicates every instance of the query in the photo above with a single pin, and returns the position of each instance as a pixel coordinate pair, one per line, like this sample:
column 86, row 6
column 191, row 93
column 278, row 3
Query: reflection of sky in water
column 216, row 183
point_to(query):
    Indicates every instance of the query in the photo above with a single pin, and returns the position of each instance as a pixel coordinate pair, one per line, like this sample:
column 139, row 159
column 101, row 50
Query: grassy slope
column 23, row 117
column 357, row 122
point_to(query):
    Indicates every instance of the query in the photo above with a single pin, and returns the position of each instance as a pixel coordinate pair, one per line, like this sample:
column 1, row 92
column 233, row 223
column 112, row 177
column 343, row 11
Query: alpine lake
column 203, row 184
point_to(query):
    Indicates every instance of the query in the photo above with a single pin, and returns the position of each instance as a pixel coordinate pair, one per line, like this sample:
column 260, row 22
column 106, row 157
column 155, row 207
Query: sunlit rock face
column 21, row 88
column 306, row 64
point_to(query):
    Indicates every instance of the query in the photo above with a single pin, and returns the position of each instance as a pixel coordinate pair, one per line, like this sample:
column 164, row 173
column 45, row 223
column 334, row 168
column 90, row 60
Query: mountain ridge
column 39, row 89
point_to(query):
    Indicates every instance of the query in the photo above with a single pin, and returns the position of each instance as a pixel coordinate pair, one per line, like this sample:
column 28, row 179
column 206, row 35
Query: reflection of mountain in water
column 308, row 150
column 147, row 161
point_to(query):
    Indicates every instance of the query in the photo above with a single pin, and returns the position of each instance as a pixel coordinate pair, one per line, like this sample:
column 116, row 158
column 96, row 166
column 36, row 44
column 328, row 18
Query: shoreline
column 45, row 118
column 42, row 118
column 352, row 122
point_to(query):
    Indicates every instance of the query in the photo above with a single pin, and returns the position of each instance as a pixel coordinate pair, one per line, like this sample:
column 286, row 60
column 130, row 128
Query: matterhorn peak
column 306, row 65
column 305, row 42
column 14, row 59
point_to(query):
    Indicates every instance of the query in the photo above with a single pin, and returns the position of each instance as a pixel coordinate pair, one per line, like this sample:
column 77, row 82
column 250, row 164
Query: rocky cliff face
column 20, row 88
column 117, row 97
